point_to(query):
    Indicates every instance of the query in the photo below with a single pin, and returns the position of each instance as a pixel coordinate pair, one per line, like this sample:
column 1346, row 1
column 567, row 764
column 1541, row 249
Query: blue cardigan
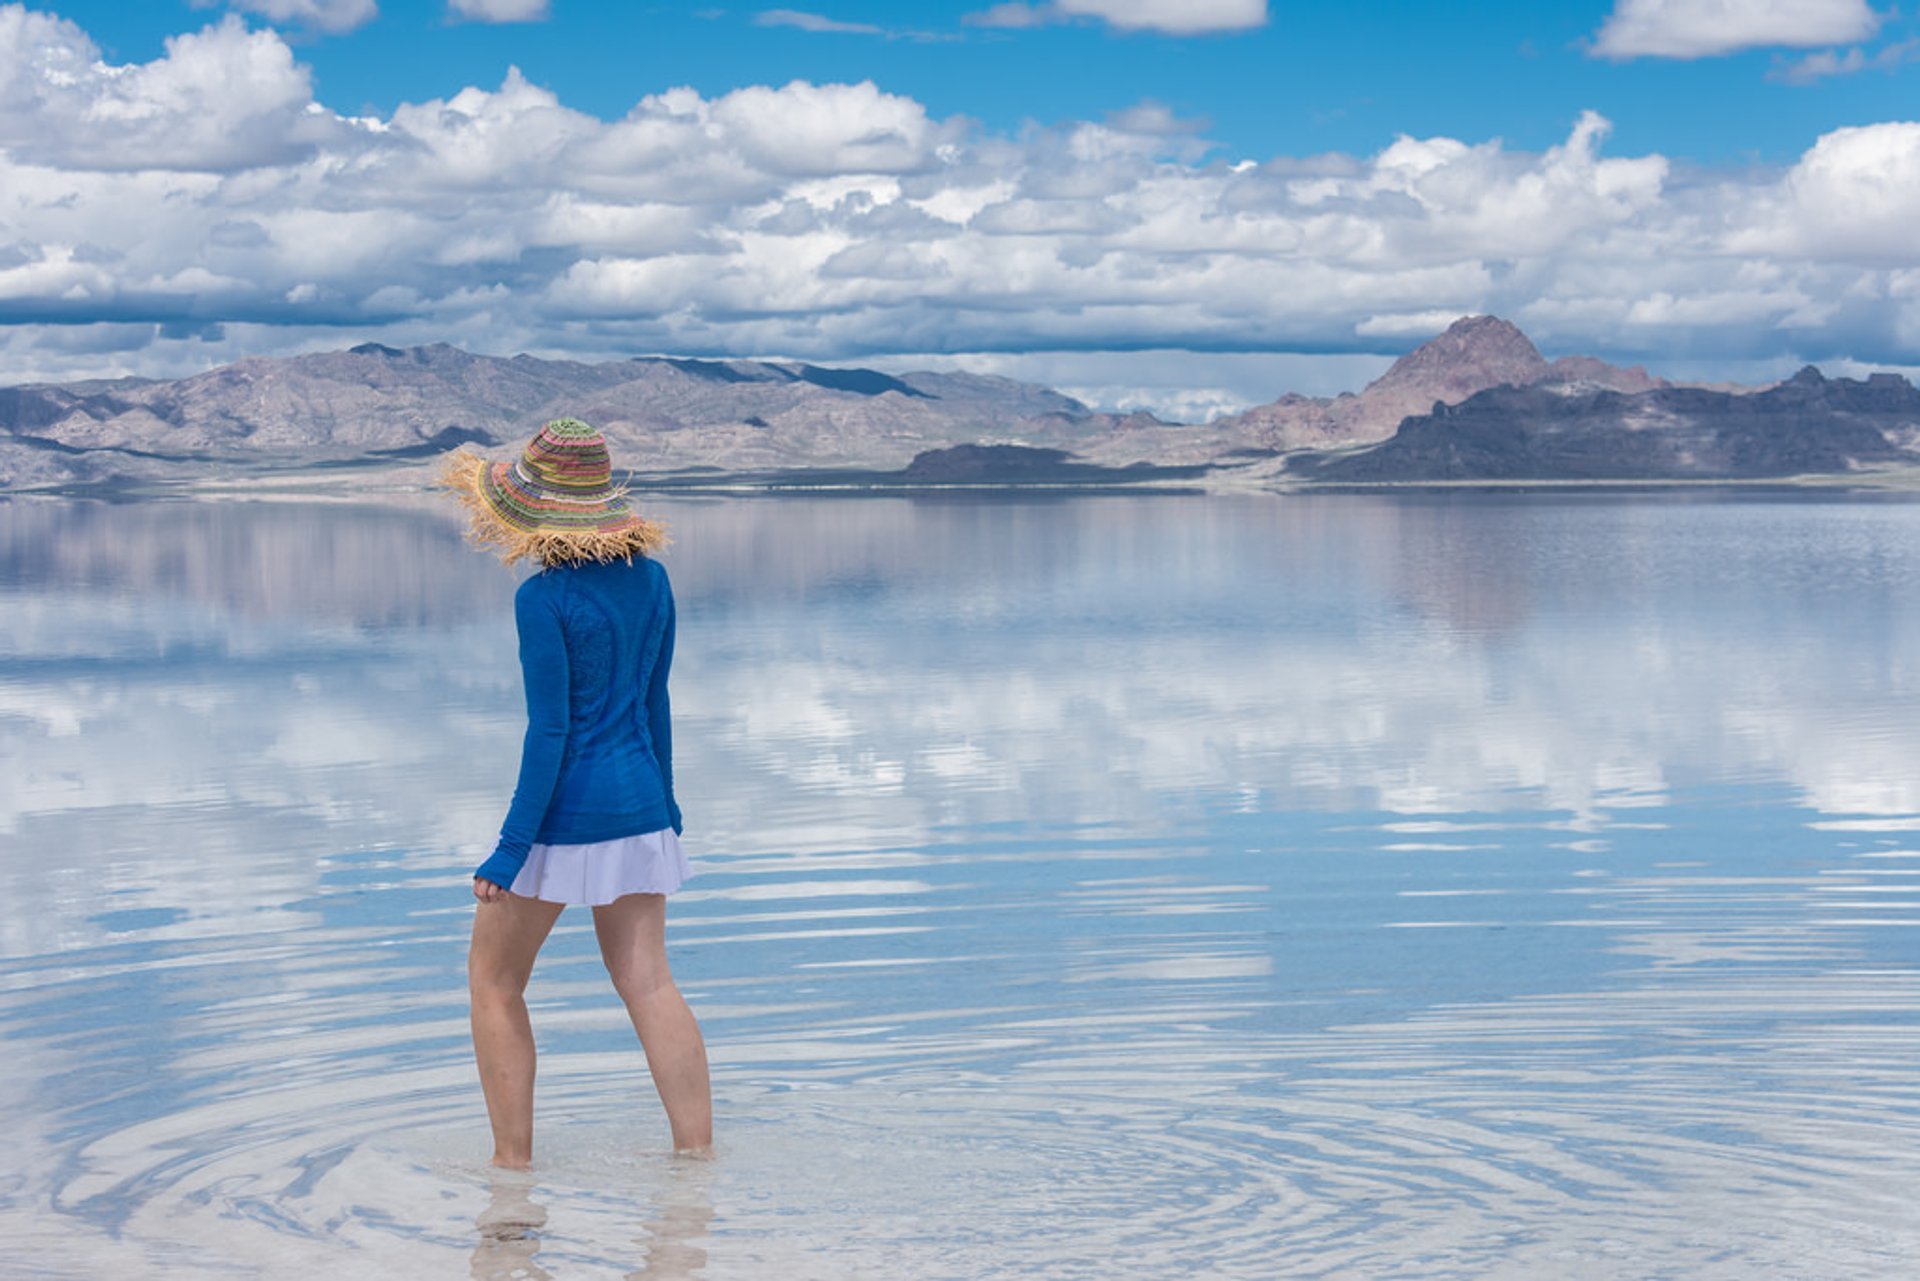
column 595, row 645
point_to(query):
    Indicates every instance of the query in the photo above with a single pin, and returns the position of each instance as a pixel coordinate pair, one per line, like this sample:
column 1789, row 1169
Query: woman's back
column 596, row 646
column 613, row 618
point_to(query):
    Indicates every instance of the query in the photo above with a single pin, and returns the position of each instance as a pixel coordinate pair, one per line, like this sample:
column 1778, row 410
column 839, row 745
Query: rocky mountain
column 1808, row 424
column 381, row 403
column 1475, row 353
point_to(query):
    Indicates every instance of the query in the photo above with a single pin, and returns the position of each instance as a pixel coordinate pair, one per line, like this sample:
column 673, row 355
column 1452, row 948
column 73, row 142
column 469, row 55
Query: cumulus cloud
column 1706, row 28
column 220, row 99
column 315, row 15
column 163, row 215
column 1172, row 17
column 1853, row 198
column 498, row 10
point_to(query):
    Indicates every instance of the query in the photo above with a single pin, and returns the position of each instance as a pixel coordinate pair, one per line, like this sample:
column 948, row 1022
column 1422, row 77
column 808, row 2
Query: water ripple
column 1155, row 1101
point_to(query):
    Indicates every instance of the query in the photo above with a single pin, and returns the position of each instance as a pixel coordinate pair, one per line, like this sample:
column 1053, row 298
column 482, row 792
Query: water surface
column 1123, row 886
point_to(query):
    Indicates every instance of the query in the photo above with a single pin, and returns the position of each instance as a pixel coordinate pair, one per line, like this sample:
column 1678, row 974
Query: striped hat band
column 562, row 482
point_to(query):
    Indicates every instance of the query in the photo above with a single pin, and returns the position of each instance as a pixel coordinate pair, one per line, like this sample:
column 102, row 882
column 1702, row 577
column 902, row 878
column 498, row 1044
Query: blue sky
column 1186, row 204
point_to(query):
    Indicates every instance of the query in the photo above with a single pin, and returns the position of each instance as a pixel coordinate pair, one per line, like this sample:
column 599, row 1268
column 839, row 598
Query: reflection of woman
column 509, row 1235
column 593, row 818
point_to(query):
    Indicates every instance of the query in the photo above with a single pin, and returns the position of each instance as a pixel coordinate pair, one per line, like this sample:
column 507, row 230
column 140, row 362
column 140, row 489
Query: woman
column 593, row 818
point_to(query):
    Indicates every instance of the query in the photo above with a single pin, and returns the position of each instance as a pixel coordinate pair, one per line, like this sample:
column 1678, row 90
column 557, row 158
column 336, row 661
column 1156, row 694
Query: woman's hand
column 486, row 891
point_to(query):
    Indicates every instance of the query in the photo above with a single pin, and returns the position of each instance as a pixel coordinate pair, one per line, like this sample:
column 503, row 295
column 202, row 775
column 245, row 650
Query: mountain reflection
column 358, row 565
column 320, row 679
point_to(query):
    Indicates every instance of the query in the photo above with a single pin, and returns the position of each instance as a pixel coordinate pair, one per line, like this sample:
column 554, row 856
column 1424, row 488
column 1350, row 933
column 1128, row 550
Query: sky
column 1182, row 205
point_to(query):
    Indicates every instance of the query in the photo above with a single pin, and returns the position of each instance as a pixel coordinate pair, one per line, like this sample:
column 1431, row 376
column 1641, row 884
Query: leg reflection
column 671, row 1250
column 509, row 1234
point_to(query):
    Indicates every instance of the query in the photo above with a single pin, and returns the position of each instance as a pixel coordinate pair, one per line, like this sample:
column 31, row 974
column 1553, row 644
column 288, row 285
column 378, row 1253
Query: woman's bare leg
column 507, row 934
column 633, row 943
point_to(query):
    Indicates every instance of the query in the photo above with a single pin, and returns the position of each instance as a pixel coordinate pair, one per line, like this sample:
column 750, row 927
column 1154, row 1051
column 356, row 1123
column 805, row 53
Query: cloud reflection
column 208, row 702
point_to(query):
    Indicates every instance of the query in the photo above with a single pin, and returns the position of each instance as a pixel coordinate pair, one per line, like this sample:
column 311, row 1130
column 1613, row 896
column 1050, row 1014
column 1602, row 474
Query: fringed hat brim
column 464, row 472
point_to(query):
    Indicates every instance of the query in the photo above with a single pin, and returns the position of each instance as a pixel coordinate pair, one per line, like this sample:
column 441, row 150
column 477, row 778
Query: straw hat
column 556, row 503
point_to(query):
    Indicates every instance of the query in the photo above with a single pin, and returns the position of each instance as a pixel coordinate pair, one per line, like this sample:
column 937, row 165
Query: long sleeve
column 543, row 669
column 660, row 711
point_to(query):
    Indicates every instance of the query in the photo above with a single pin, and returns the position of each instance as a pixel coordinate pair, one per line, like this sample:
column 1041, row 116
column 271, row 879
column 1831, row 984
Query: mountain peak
column 1475, row 353
column 1481, row 351
column 1482, row 327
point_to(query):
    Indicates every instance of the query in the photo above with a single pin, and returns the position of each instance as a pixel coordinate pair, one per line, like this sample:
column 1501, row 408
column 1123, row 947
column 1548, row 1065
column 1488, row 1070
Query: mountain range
column 1478, row 401
column 1808, row 425
column 375, row 403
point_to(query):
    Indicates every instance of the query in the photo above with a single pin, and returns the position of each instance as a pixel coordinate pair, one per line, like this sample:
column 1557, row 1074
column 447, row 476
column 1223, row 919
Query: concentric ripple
column 984, row 1086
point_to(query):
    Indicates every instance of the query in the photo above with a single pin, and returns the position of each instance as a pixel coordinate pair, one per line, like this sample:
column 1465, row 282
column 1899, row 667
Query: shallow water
column 1115, row 887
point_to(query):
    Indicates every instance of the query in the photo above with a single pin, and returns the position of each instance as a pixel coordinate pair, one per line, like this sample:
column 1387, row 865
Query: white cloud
column 1172, row 17
column 1179, row 17
column 1154, row 119
column 498, row 10
column 1826, row 63
column 1706, row 28
column 220, row 99
column 1414, row 326
column 825, row 129
column 165, row 215
column 1854, row 197
column 1014, row 15
column 316, row 15
column 814, row 22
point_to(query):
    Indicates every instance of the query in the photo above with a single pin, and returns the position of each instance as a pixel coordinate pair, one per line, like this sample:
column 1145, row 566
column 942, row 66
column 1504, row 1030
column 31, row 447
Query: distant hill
column 1809, row 424
column 381, row 403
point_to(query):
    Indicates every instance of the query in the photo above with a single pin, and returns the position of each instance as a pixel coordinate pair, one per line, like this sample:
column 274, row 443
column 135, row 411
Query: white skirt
column 597, row 874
